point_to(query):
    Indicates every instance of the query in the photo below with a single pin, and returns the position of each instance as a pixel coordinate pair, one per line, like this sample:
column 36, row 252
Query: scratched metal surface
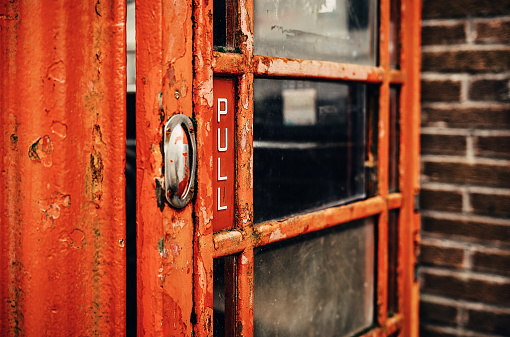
column 62, row 84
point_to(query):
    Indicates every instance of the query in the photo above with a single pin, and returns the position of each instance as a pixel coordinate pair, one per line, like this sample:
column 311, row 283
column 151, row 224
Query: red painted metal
column 223, row 153
column 62, row 242
column 274, row 66
column 383, row 160
column 409, row 164
column 246, row 236
column 62, row 87
column 203, row 99
column 164, row 235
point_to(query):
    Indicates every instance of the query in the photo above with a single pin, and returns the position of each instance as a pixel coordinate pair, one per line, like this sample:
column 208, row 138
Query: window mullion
column 383, row 162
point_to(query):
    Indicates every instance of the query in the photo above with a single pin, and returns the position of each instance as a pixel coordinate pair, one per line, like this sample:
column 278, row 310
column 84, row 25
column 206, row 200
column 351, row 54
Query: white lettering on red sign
column 221, row 111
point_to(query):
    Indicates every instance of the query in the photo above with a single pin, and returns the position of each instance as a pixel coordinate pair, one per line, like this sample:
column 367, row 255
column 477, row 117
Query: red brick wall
column 465, row 200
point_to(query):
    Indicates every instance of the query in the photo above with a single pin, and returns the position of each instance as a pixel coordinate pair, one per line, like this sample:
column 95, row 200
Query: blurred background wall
column 465, row 199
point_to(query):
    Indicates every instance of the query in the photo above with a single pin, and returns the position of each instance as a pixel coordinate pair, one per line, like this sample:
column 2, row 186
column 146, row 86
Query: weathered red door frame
column 175, row 53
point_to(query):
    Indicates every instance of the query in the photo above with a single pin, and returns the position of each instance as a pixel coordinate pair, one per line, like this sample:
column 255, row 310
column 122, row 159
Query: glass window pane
column 224, row 292
column 392, row 262
column 394, row 141
column 319, row 285
column 394, row 42
column 223, row 23
column 326, row 30
column 308, row 146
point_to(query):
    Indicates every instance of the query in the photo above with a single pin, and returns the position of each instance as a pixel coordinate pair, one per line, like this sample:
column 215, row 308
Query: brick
column 490, row 204
column 471, row 61
column 477, row 231
column 435, row 9
column 493, row 146
column 440, row 91
column 467, row 288
column 494, row 31
column 490, row 90
column 492, row 262
column 493, row 118
column 468, row 174
column 443, row 35
column 441, row 200
column 443, row 144
column 441, row 256
column 487, row 321
column 438, row 313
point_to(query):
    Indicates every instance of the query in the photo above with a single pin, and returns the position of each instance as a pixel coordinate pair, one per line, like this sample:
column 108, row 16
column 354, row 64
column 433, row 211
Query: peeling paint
column 178, row 225
column 160, row 193
column 57, row 72
column 42, row 151
column 75, row 239
column 50, row 207
column 244, row 260
column 163, row 252
column 277, row 235
column 59, row 129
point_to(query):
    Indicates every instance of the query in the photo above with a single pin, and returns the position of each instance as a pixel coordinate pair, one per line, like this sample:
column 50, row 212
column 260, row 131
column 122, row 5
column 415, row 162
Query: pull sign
column 224, row 155
column 180, row 160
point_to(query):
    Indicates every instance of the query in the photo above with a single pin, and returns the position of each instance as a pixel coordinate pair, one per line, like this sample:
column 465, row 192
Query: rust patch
column 163, row 252
column 96, row 167
column 160, row 194
column 97, row 135
column 14, row 142
column 98, row 8
column 42, row 151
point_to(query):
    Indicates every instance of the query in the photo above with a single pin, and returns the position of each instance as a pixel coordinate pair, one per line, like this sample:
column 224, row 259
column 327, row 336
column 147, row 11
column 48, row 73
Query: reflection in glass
column 325, row 30
column 308, row 146
column 321, row 284
column 130, row 46
column 394, row 42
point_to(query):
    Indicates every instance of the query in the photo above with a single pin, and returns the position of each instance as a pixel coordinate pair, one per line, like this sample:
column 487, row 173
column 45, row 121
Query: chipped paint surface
column 165, row 235
column 277, row 235
column 63, row 167
column 303, row 68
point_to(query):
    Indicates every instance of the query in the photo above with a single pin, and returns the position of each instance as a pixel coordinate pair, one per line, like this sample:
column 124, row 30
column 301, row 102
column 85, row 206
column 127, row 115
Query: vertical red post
column 62, row 110
column 164, row 85
column 410, row 162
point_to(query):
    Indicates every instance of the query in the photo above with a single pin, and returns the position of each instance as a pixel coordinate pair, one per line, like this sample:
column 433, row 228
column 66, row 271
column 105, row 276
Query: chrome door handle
column 180, row 160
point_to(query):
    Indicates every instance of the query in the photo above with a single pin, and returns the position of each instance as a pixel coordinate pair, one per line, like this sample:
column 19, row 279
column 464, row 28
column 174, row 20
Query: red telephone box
column 305, row 118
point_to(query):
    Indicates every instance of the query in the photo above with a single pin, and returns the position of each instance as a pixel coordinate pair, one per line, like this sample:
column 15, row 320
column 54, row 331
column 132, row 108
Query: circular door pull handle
column 180, row 160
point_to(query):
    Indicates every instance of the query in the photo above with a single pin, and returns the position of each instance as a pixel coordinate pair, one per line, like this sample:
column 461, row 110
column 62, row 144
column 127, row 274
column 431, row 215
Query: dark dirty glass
column 394, row 41
column 219, row 23
column 223, row 24
column 321, row 284
column 224, row 287
column 325, row 30
column 394, row 139
column 392, row 262
column 308, row 146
